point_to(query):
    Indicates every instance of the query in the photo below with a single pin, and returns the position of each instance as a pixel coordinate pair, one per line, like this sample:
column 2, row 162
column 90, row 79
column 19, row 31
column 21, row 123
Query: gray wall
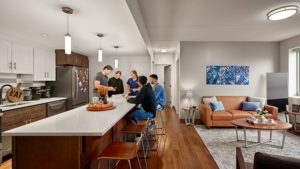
column 262, row 57
column 126, row 63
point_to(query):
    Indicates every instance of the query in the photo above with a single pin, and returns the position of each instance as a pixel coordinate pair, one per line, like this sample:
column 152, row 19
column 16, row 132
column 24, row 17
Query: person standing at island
column 159, row 91
column 133, row 84
column 117, row 83
column 101, row 80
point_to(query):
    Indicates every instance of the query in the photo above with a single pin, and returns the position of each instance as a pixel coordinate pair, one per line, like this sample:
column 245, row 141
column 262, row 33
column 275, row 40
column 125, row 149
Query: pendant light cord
column 68, row 23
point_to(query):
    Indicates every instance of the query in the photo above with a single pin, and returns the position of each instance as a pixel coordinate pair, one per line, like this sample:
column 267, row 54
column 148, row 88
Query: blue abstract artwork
column 227, row 75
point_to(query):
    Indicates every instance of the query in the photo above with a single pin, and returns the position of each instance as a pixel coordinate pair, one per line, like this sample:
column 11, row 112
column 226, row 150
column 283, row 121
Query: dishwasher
column 56, row 107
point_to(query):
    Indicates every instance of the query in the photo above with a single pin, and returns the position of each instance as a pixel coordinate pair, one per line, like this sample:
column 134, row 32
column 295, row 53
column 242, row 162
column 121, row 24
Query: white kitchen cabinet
column 5, row 57
column 22, row 59
column 44, row 65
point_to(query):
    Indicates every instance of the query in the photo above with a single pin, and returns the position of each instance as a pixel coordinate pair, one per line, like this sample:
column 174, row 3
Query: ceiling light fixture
column 116, row 60
column 68, row 39
column 282, row 12
column 100, row 52
column 163, row 50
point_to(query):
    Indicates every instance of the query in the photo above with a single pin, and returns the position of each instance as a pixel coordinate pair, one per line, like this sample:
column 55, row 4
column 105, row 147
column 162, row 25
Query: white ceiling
column 216, row 20
column 27, row 19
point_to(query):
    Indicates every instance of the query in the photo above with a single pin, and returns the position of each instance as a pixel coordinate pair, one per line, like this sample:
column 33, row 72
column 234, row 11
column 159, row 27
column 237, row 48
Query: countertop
column 31, row 103
column 76, row 122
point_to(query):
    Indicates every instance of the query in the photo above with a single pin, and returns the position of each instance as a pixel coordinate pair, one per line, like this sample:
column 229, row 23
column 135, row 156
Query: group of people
column 148, row 96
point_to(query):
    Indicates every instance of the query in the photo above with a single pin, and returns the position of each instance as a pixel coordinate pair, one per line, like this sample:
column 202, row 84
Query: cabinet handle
column 15, row 65
column 10, row 65
column 48, row 74
column 45, row 74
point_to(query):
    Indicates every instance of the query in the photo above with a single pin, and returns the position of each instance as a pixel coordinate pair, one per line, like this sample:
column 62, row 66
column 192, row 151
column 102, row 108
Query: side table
column 190, row 115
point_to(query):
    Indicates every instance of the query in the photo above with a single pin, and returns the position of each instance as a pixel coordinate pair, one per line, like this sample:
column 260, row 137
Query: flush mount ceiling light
column 116, row 60
column 100, row 52
column 68, row 43
column 163, row 50
column 282, row 12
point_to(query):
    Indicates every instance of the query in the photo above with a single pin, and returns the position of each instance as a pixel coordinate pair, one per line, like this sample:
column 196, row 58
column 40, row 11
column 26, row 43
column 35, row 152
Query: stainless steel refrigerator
column 71, row 82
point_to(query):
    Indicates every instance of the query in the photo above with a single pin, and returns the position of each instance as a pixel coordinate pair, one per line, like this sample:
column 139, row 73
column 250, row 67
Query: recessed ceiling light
column 282, row 12
column 163, row 50
column 44, row 34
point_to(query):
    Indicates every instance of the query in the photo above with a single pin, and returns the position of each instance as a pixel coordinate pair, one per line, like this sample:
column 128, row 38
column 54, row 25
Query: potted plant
column 261, row 114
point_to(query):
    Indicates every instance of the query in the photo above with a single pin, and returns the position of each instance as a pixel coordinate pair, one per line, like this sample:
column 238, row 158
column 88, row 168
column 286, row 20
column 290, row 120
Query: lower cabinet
column 19, row 117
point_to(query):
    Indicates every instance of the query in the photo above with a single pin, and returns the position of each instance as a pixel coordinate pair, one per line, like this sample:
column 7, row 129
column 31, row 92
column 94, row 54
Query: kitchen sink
column 13, row 104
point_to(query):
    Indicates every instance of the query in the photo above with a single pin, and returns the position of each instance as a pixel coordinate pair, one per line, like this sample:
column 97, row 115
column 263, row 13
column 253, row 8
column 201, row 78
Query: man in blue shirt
column 158, row 90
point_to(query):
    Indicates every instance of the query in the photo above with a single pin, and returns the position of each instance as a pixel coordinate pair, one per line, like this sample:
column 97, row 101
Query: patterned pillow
column 209, row 100
column 217, row 106
column 262, row 100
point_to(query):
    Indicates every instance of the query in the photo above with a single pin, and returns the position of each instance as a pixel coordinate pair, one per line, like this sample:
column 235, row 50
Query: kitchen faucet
column 1, row 90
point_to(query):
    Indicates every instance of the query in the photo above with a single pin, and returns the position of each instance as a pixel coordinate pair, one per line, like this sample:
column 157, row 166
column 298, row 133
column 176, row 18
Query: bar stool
column 139, row 129
column 121, row 151
column 160, row 122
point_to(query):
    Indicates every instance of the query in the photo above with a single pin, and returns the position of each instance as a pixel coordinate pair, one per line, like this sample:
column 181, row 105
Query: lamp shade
column 189, row 94
column 116, row 64
column 100, row 53
column 68, row 44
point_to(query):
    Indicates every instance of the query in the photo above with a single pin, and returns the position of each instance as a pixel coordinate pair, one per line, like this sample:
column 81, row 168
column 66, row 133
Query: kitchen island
column 71, row 140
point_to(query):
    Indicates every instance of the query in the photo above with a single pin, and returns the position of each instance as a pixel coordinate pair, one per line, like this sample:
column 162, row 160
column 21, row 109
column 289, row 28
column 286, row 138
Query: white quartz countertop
column 30, row 103
column 76, row 122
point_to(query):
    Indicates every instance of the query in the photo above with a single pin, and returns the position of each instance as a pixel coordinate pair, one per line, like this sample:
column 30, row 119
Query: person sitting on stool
column 159, row 92
column 145, row 98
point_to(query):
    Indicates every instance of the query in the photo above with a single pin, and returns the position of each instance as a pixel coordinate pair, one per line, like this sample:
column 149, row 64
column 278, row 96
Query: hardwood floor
column 182, row 148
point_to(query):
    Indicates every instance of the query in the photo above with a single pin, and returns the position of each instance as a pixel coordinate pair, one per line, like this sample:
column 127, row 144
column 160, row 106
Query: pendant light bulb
column 116, row 63
column 116, row 60
column 100, row 51
column 68, row 44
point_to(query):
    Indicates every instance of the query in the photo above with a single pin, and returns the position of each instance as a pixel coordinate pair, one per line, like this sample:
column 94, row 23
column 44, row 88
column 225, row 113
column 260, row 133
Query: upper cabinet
column 5, row 57
column 74, row 59
column 22, row 59
column 15, row 58
column 44, row 65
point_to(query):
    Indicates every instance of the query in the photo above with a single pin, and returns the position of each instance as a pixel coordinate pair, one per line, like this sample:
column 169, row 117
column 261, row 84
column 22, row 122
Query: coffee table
column 280, row 125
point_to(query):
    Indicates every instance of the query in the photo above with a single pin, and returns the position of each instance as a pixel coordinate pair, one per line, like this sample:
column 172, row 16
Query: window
column 297, row 52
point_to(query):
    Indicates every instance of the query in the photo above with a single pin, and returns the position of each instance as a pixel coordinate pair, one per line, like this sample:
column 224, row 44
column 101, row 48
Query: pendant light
column 68, row 39
column 116, row 60
column 100, row 52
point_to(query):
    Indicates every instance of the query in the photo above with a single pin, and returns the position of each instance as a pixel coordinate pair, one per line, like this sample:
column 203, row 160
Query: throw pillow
column 217, row 106
column 262, row 100
column 251, row 106
column 209, row 100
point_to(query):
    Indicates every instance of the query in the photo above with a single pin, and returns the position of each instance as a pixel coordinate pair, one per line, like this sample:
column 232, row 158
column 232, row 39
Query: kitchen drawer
column 37, row 112
column 19, row 117
column 14, row 118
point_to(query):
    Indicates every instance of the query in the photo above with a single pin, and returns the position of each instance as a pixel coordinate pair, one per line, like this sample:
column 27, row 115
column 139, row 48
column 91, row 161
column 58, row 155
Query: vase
column 261, row 118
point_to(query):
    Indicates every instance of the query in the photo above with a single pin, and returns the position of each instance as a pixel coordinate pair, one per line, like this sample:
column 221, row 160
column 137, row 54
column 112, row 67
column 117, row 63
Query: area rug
column 221, row 143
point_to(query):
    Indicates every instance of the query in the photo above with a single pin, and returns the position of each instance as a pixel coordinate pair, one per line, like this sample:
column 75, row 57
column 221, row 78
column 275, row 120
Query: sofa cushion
column 238, row 114
column 232, row 102
column 221, row 116
column 262, row 100
column 217, row 106
column 263, row 161
column 251, row 106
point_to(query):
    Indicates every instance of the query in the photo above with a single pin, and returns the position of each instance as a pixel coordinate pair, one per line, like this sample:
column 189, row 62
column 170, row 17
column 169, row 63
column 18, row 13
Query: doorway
column 168, row 85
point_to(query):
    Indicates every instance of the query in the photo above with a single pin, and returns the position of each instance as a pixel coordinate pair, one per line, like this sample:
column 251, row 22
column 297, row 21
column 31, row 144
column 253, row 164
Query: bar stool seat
column 120, row 150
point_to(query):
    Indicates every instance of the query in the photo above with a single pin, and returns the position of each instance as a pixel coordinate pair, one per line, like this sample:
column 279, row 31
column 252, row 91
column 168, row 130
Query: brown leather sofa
column 233, row 110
